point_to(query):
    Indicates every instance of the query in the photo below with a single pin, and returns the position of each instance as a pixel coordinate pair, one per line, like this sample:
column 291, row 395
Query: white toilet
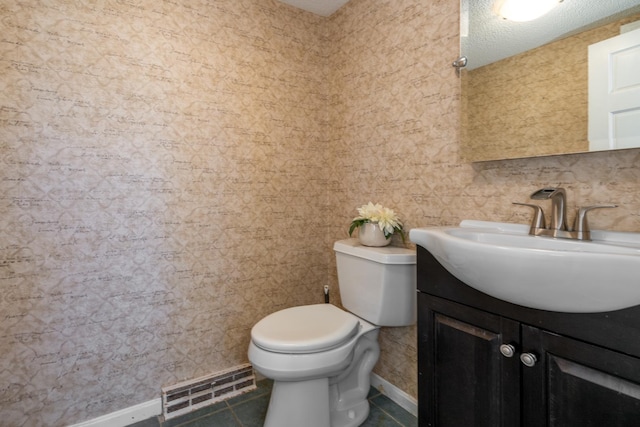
column 321, row 357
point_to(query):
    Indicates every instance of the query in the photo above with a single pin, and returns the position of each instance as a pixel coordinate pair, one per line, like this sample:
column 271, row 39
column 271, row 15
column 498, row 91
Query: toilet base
column 299, row 403
column 336, row 401
column 306, row 403
column 352, row 416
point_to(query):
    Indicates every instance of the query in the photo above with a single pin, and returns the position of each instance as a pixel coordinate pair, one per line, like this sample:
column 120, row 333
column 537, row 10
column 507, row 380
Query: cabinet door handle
column 507, row 350
column 528, row 359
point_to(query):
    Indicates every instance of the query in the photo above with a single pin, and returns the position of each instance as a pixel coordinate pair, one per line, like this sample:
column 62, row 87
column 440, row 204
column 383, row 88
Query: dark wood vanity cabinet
column 463, row 379
column 585, row 368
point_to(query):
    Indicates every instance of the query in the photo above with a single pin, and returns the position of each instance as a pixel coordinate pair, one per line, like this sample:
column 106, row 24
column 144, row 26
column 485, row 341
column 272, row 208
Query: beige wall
column 162, row 188
column 170, row 173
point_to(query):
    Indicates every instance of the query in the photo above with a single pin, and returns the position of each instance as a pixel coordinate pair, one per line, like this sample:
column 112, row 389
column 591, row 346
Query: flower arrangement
column 385, row 218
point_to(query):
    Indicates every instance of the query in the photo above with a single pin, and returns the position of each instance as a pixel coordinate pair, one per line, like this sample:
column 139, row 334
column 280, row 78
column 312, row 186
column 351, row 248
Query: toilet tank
column 377, row 284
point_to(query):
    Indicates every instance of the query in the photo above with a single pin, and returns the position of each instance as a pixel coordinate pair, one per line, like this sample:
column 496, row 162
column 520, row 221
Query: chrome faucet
column 558, row 200
column 558, row 227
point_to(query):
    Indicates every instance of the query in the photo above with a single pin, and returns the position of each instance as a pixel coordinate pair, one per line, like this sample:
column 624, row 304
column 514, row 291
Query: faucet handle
column 581, row 225
column 538, row 216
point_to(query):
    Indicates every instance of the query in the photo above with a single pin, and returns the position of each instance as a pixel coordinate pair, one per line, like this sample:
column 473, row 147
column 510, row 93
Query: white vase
column 370, row 234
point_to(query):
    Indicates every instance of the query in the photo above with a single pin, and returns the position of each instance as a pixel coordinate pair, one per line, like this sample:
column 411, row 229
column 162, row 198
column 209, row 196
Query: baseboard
column 401, row 398
column 127, row 416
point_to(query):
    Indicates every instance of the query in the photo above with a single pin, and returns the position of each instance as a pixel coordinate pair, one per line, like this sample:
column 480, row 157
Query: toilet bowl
column 303, row 376
column 319, row 356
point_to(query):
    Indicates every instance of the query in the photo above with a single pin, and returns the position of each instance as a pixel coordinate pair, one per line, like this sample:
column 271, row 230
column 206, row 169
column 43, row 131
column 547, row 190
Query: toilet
column 319, row 356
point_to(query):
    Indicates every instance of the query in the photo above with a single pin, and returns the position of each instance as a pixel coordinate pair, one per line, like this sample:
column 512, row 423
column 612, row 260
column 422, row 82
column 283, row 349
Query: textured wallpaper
column 162, row 188
column 171, row 172
column 393, row 126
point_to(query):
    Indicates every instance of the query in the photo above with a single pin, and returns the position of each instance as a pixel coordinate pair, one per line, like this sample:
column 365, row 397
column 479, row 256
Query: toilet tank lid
column 383, row 255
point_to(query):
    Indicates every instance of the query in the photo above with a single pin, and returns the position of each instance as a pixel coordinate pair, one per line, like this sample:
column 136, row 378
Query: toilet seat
column 305, row 329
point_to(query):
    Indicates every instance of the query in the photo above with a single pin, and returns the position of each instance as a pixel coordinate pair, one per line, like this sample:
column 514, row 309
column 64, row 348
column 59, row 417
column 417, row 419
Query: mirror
column 525, row 87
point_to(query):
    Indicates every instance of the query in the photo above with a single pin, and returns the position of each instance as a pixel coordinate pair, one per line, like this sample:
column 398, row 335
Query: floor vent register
column 188, row 396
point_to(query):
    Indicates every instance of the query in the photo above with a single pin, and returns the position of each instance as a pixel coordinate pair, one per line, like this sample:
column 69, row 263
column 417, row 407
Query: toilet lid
column 305, row 329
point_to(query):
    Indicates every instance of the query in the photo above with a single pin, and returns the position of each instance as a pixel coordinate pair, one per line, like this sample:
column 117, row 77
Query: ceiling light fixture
column 524, row 10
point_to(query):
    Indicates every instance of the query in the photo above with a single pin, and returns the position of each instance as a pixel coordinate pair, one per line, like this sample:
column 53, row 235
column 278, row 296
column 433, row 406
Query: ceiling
column 319, row 7
column 487, row 38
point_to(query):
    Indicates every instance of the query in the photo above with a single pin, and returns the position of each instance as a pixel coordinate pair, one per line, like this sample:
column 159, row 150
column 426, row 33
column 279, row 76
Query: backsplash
column 172, row 172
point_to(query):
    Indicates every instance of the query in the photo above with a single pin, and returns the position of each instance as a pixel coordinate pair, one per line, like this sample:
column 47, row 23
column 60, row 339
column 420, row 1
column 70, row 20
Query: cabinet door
column 464, row 380
column 578, row 384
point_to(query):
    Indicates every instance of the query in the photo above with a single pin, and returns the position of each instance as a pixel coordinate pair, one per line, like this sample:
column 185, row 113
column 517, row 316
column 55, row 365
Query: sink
column 573, row 276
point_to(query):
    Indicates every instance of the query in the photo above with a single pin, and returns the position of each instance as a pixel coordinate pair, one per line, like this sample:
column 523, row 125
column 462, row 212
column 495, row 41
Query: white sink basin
column 504, row 261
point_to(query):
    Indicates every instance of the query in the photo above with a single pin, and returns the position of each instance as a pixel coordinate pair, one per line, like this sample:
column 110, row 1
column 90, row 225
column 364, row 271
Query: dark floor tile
column 373, row 392
column 378, row 418
column 265, row 385
column 198, row 413
column 395, row 411
column 219, row 419
column 262, row 387
column 251, row 413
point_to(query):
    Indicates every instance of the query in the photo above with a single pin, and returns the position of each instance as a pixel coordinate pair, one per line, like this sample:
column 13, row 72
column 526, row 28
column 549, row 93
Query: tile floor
column 248, row 410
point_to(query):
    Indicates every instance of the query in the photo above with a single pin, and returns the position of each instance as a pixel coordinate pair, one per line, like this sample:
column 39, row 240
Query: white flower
column 386, row 219
column 370, row 212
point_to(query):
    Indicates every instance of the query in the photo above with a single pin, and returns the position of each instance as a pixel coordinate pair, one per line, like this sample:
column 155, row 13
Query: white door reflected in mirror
column 614, row 92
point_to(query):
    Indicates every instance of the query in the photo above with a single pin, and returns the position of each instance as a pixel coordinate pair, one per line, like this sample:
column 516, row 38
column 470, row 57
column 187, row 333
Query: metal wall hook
column 459, row 64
